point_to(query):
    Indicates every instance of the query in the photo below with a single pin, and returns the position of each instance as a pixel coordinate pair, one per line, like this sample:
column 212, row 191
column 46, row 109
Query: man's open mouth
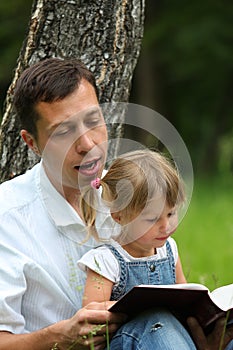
column 87, row 165
column 89, row 168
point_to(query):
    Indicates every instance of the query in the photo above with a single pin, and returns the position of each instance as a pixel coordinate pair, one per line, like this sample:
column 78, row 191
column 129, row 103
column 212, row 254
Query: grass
column 205, row 235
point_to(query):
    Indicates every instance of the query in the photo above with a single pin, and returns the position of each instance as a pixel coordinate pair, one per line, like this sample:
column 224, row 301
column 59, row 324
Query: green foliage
column 225, row 164
column 14, row 18
column 190, row 47
column 205, row 235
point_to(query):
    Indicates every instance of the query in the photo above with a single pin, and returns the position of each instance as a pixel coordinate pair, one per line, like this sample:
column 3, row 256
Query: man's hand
column 92, row 326
column 218, row 339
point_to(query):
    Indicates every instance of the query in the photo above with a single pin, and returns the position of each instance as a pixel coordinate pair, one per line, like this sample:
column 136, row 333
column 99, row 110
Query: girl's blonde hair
column 132, row 180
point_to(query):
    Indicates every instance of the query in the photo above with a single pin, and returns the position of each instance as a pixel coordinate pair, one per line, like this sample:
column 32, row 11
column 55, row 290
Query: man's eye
column 93, row 122
column 152, row 220
column 61, row 132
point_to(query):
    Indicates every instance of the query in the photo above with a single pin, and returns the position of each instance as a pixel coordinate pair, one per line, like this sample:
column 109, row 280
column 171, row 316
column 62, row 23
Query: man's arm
column 40, row 340
column 218, row 339
column 86, row 327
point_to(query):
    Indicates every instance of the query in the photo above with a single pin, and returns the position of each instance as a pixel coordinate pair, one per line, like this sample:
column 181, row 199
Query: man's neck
column 72, row 195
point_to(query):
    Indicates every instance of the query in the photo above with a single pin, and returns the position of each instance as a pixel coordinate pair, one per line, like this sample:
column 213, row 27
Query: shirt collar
column 61, row 212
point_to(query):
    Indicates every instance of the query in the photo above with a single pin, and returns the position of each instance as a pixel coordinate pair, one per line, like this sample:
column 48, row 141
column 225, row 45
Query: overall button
column 152, row 267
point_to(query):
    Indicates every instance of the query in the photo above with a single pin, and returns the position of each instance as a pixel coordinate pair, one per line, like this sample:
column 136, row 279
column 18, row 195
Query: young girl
column 143, row 192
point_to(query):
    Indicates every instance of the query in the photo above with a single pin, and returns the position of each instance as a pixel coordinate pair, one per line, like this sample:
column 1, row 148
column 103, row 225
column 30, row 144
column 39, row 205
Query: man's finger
column 197, row 333
column 218, row 338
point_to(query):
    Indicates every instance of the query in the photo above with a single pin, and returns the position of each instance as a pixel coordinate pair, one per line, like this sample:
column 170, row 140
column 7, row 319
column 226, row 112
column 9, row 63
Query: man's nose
column 84, row 143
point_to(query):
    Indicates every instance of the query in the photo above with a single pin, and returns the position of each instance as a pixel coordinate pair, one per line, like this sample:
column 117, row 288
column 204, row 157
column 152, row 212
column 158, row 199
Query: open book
column 189, row 299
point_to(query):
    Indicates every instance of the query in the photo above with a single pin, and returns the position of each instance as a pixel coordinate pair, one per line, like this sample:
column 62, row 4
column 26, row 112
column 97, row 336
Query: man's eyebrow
column 91, row 111
column 60, row 124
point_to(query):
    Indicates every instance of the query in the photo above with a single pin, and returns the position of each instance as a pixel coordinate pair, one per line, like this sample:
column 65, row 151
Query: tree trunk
column 105, row 34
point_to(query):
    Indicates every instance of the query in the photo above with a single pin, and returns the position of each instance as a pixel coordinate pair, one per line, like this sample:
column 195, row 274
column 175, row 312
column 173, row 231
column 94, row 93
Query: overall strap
column 171, row 258
column 117, row 289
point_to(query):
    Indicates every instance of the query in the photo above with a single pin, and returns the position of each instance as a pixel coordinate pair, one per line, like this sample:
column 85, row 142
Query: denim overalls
column 154, row 271
column 156, row 329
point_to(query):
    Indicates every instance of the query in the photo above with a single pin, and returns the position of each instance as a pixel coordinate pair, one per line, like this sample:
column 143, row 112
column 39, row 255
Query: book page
column 223, row 297
column 192, row 286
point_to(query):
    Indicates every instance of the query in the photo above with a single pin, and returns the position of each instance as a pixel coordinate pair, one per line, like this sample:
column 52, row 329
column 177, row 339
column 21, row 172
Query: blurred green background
column 185, row 72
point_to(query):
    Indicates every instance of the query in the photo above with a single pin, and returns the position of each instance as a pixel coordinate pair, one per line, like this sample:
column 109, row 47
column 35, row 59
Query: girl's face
column 153, row 226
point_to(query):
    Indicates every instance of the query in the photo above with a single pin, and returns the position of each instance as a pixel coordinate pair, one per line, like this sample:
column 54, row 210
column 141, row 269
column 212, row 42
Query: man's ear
column 30, row 141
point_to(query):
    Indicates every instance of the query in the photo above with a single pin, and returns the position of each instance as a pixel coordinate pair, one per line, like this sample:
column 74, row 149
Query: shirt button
column 152, row 267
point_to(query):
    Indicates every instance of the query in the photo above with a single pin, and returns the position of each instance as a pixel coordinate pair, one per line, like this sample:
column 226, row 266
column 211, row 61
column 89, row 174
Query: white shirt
column 41, row 239
column 108, row 265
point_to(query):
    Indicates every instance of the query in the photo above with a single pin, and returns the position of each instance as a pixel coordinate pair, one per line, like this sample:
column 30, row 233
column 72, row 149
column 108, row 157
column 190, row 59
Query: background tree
column 105, row 34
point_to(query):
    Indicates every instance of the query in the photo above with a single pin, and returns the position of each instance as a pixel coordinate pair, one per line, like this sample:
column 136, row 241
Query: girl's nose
column 164, row 225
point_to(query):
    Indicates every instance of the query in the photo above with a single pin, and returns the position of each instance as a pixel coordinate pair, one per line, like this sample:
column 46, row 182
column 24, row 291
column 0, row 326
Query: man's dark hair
column 46, row 81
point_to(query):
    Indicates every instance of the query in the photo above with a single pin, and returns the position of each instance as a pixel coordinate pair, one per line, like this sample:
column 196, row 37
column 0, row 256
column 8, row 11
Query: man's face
column 72, row 138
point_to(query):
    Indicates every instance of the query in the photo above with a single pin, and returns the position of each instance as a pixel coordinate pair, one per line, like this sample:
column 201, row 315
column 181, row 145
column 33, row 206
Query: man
column 42, row 235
